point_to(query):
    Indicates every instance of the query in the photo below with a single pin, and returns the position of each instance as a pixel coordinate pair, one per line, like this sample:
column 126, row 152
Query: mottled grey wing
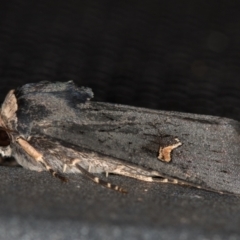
column 45, row 102
column 208, row 157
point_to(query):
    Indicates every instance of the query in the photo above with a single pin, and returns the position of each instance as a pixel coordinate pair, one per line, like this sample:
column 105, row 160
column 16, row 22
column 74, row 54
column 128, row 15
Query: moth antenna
column 188, row 184
column 100, row 181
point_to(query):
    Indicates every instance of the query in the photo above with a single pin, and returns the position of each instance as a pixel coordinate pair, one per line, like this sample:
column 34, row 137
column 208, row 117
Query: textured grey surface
column 172, row 55
column 37, row 206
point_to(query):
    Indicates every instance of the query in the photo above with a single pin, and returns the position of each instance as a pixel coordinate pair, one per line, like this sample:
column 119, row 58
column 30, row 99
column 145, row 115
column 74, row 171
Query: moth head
column 8, row 120
column 5, row 148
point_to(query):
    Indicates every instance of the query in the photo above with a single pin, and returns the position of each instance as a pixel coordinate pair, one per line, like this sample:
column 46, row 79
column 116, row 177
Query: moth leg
column 171, row 181
column 188, row 184
column 64, row 167
column 75, row 163
column 38, row 157
column 54, row 173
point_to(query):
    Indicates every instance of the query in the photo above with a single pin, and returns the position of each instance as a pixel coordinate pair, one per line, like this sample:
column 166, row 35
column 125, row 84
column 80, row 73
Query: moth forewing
column 208, row 156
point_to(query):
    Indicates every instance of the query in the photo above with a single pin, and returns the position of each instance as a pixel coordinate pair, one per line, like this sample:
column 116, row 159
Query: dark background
column 172, row 55
column 168, row 55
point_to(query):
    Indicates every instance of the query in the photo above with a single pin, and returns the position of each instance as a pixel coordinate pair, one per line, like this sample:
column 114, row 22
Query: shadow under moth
column 55, row 127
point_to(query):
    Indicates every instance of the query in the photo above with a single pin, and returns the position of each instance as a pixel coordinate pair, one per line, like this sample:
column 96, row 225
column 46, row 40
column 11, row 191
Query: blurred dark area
column 171, row 55
column 167, row 55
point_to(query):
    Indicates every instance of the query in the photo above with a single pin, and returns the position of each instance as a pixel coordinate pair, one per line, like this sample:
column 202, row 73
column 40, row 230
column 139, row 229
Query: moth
column 53, row 126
